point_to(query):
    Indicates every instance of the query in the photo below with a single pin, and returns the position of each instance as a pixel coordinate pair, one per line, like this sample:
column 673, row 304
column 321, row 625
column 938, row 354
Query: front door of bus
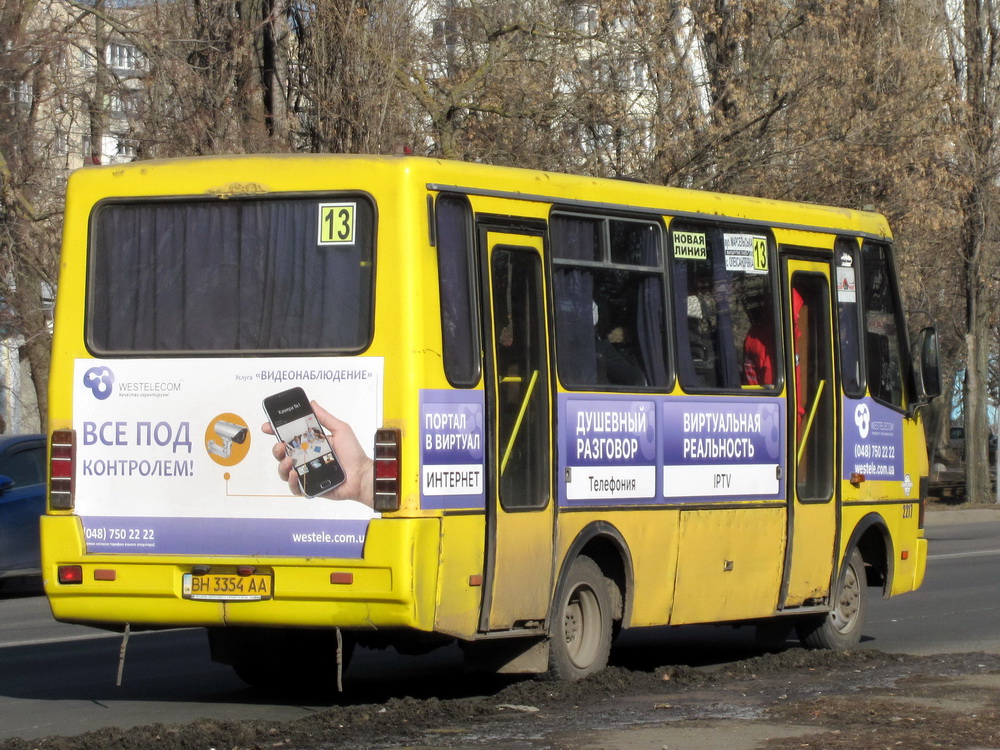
column 812, row 443
column 520, row 512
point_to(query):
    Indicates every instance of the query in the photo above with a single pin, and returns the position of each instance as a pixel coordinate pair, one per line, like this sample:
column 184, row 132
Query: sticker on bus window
column 690, row 246
column 745, row 253
column 336, row 223
column 846, row 291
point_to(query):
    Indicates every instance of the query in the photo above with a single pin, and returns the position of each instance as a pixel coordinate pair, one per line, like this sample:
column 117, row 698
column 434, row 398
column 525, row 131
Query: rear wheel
column 581, row 631
column 840, row 628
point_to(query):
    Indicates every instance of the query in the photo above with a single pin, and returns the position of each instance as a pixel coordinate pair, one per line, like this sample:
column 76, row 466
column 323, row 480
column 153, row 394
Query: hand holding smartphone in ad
column 313, row 459
column 318, row 454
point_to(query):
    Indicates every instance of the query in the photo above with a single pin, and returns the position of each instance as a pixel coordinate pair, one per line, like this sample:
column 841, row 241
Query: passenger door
column 812, row 390
column 520, row 508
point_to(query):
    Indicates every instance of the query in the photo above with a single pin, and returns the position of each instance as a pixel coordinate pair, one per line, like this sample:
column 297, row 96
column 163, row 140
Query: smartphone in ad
column 305, row 441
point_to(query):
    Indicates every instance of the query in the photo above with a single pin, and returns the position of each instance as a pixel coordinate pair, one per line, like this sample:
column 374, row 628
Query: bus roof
column 244, row 175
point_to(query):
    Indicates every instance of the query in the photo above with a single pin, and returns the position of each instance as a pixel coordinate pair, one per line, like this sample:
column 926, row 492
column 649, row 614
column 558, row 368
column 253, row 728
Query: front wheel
column 581, row 631
column 840, row 629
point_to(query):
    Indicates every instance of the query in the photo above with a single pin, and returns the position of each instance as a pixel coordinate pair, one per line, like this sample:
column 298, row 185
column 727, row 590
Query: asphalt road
column 958, row 606
column 60, row 679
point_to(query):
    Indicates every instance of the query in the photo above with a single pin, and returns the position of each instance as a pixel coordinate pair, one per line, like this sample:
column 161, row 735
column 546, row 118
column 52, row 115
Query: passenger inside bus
column 699, row 341
column 617, row 361
column 758, row 348
column 800, row 348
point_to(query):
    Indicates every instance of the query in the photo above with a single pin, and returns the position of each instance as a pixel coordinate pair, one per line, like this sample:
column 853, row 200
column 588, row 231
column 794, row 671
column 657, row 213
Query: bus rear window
column 231, row 275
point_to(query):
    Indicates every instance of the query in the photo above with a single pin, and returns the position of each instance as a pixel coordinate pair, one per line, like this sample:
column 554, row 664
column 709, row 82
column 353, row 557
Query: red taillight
column 61, row 485
column 386, row 479
column 70, row 574
column 386, row 468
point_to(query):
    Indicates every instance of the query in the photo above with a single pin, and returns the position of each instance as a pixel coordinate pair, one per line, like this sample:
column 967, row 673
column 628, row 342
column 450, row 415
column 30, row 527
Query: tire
column 841, row 628
column 580, row 638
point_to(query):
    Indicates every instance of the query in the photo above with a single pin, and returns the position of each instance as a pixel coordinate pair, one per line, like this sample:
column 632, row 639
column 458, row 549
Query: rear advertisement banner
column 172, row 457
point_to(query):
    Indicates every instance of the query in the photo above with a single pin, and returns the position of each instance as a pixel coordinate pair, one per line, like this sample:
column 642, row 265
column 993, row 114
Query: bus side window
column 813, row 377
column 608, row 299
column 459, row 329
column 846, row 252
column 882, row 313
column 724, row 302
column 521, row 361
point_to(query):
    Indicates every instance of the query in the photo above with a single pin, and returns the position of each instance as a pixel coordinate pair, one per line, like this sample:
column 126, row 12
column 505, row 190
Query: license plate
column 227, row 587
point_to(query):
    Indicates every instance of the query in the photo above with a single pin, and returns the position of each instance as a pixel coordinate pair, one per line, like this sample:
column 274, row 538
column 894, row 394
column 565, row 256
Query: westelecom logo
column 99, row 380
column 862, row 419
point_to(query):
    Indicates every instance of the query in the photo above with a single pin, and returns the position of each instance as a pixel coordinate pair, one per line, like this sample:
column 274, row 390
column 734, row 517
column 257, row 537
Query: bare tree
column 344, row 83
column 975, row 34
column 844, row 101
column 489, row 78
column 204, row 91
column 30, row 186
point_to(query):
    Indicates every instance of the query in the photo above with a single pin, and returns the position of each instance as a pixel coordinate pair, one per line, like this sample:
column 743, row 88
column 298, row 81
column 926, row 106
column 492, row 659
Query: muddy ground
column 793, row 699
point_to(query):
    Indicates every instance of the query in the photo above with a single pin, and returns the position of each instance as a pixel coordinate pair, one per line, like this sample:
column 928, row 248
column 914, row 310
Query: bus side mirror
column 926, row 367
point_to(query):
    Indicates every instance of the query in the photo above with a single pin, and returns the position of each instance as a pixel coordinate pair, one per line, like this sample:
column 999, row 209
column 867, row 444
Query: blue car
column 22, row 501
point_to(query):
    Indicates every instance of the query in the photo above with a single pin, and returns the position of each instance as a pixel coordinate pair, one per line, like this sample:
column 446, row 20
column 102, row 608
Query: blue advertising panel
column 873, row 440
column 608, row 450
column 723, row 449
column 452, row 450
column 624, row 450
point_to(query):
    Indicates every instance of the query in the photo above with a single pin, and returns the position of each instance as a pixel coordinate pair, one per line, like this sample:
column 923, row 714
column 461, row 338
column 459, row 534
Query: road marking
column 84, row 637
column 955, row 555
column 61, row 639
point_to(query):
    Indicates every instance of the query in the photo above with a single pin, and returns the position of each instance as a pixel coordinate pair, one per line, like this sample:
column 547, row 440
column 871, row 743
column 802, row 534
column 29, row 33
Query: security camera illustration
column 228, row 433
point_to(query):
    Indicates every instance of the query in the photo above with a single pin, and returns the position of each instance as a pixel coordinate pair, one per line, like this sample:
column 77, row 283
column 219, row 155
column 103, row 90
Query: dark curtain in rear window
column 236, row 275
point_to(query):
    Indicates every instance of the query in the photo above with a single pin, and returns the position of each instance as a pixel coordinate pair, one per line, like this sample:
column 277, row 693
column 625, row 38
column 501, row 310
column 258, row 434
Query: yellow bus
column 309, row 402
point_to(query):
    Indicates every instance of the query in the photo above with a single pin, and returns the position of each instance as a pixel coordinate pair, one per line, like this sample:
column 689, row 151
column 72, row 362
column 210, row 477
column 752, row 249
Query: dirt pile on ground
column 809, row 699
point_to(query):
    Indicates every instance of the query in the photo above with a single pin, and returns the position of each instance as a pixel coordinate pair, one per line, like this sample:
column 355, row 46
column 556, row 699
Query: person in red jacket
column 759, row 350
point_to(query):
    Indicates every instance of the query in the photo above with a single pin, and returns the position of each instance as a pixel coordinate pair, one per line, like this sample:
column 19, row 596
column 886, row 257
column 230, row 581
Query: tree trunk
column 975, row 231
column 977, row 479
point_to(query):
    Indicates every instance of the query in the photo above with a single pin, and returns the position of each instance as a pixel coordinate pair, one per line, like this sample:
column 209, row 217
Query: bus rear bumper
column 149, row 591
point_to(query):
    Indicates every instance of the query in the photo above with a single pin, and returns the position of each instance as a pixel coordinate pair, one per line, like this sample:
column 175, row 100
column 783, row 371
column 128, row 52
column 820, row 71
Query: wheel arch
column 605, row 545
column 872, row 538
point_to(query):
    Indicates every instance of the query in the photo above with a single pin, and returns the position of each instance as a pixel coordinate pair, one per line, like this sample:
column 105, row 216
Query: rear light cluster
column 386, row 479
column 71, row 574
column 62, row 487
